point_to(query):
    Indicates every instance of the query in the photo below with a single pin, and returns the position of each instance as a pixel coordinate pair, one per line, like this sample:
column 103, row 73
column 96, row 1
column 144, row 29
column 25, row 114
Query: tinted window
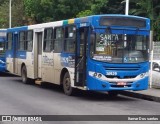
column 48, row 40
column 69, row 42
column 58, row 39
column 25, row 40
column 22, row 40
column 9, row 41
column 29, row 41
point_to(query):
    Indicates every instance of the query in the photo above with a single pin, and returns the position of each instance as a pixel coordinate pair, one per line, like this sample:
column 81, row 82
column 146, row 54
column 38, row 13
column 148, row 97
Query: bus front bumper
column 101, row 83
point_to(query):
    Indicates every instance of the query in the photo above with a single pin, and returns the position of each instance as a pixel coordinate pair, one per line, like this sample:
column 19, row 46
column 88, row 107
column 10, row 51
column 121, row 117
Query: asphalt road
column 17, row 98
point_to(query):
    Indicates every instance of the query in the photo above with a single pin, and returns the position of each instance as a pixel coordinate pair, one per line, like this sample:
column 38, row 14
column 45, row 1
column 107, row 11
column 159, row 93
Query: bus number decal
column 112, row 73
column 83, row 24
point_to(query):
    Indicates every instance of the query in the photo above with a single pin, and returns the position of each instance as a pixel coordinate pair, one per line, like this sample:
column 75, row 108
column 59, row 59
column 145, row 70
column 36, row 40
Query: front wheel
column 113, row 94
column 68, row 89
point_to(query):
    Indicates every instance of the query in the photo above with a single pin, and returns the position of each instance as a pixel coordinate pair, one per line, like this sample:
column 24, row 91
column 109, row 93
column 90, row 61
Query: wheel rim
column 67, row 84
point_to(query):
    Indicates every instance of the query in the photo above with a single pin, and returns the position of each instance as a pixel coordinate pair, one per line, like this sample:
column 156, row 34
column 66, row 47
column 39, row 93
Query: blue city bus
column 2, row 50
column 99, row 53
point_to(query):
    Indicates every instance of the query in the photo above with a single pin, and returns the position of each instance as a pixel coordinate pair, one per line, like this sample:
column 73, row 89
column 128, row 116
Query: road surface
column 17, row 98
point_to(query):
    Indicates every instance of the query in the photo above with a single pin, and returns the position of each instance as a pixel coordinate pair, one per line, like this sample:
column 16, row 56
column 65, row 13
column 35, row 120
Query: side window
column 48, row 40
column 9, row 41
column 22, row 38
column 69, row 42
column 2, row 46
column 29, row 41
column 58, row 38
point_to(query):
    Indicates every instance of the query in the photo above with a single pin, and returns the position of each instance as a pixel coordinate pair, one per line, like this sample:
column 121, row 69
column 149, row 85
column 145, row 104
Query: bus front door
column 80, row 56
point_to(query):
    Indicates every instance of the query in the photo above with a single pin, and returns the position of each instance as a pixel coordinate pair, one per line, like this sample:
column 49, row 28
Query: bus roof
column 73, row 21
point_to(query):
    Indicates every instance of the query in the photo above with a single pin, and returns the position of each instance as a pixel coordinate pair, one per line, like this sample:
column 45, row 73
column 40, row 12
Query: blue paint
column 97, row 84
column 14, row 52
column 2, row 55
column 67, row 60
column 100, row 67
column 95, row 19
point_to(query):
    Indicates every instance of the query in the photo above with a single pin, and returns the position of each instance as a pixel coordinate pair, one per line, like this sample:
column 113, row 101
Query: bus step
column 38, row 82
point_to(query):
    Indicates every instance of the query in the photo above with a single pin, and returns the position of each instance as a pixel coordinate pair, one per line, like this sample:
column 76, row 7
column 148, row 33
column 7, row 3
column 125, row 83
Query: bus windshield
column 120, row 48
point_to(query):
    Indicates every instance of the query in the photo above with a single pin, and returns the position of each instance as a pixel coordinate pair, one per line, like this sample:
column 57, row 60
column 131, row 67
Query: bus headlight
column 97, row 75
column 143, row 75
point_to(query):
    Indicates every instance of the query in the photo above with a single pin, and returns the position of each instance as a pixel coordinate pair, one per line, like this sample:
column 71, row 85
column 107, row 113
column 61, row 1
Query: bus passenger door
column 15, row 58
column 38, row 51
column 80, row 56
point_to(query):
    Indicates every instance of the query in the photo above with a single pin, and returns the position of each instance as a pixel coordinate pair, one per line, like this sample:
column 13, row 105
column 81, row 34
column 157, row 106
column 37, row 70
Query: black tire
column 25, row 80
column 112, row 94
column 68, row 90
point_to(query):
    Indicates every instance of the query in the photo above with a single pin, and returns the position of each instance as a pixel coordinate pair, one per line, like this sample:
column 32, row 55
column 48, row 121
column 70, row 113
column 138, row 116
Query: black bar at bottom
column 79, row 118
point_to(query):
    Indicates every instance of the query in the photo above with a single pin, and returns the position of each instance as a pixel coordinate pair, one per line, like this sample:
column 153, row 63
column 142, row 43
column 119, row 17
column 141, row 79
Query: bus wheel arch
column 64, row 70
column 66, row 82
column 22, row 65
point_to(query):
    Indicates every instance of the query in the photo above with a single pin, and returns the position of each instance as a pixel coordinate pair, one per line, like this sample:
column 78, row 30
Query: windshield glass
column 120, row 48
column 2, row 49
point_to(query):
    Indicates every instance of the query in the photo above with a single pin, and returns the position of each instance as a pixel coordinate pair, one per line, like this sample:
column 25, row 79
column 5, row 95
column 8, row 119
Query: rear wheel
column 25, row 80
column 68, row 89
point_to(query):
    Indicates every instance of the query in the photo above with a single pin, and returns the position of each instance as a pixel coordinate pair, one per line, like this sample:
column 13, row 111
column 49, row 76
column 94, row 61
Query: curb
column 140, row 96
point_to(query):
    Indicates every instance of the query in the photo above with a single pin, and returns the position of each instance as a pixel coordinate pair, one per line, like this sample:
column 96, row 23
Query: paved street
column 17, row 98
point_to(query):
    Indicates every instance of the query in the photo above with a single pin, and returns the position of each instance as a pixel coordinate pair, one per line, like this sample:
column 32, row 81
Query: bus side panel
column 28, row 62
column 9, row 62
column 57, row 67
column 47, row 67
column 67, row 61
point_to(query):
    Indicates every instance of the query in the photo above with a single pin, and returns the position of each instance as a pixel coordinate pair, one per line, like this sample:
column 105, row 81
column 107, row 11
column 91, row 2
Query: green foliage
column 84, row 13
column 150, row 9
column 98, row 6
column 3, row 14
column 143, row 8
column 52, row 10
column 17, row 13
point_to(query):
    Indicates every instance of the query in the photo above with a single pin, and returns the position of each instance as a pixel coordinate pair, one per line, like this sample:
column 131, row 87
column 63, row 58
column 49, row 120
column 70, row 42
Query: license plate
column 121, row 83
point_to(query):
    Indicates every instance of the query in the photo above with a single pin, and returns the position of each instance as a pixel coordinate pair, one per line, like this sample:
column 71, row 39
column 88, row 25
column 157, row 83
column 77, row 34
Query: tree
column 108, row 7
column 84, row 13
column 53, row 10
column 17, row 13
column 143, row 8
column 150, row 9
